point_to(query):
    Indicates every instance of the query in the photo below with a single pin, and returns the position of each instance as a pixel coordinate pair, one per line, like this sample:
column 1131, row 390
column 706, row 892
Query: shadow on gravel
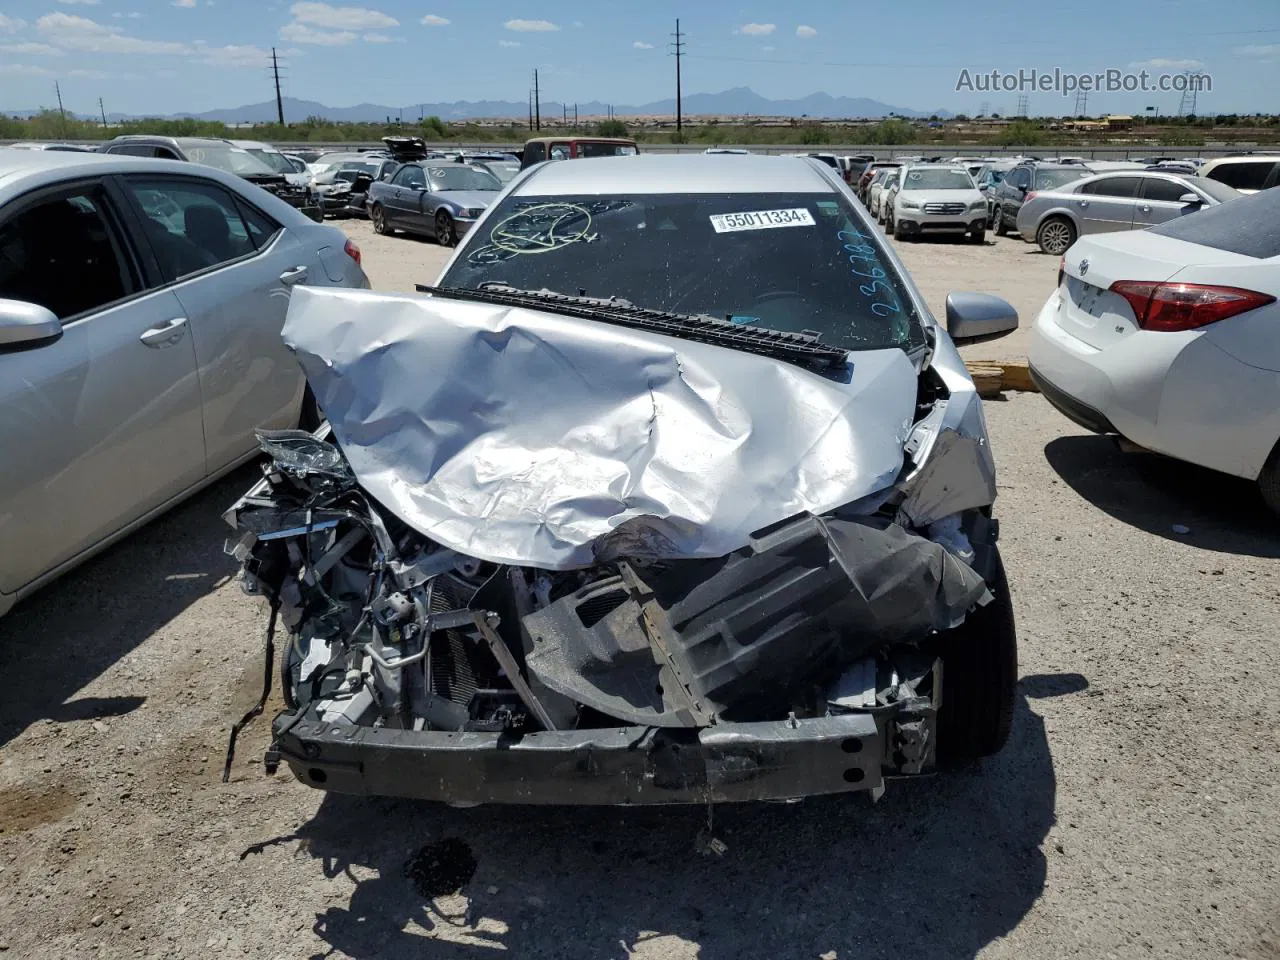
column 59, row 639
column 1155, row 494
column 939, row 868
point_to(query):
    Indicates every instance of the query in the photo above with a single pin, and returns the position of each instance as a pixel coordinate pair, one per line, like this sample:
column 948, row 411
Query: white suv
column 934, row 198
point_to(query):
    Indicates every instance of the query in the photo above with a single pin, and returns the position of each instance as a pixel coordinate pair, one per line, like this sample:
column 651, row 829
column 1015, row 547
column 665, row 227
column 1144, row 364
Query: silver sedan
column 1129, row 200
column 141, row 303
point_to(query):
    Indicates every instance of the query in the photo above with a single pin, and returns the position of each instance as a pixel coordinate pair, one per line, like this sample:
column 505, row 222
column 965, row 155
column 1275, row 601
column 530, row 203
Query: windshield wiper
column 802, row 349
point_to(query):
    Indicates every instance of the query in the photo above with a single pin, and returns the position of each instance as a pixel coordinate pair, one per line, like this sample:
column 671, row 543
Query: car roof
column 582, row 139
column 1247, row 158
column 22, row 170
column 679, row 173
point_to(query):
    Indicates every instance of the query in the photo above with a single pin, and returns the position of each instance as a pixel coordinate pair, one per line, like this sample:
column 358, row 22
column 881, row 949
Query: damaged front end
column 807, row 662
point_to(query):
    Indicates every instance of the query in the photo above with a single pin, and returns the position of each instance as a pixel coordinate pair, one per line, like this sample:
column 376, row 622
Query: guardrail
column 880, row 151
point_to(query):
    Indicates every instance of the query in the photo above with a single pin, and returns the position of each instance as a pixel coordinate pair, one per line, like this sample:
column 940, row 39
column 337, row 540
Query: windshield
column 1049, row 179
column 942, row 178
column 276, row 161
column 505, row 172
column 789, row 262
column 231, row 159
column 459, row 177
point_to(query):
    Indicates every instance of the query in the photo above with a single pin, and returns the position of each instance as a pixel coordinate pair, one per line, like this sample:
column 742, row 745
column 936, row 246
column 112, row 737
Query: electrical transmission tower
column 984, row 108
column 275, row 73
column 1023, row 105
column 1187, row 105
column 1082, row 103
column 679, row 46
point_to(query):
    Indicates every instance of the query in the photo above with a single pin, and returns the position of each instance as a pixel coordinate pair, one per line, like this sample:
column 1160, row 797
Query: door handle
column 165, row 334
column 1083, row 203
column 295, row 275
column 1145, row 209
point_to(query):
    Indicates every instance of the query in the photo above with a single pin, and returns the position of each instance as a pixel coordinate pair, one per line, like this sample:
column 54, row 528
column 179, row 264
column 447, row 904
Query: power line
column 275, row 70
column 679, row 46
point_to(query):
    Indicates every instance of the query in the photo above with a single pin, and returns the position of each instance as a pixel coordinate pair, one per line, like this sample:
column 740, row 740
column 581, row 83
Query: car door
column 1012, row 192
column 103, row 425
column 1106, row 204
column 1159, row 200
column 407, row 186
column 232, row 267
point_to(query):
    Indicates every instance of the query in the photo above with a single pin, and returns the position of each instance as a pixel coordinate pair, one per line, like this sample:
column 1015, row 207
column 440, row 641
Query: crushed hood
column 523, row 437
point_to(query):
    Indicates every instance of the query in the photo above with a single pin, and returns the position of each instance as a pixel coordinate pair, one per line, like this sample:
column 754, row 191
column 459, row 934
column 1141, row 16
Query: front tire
column 379, row 220
column 1000, row 227
column 446, row 233
column 978, row 236
column 1055, row 236
column 898, row 232
column 979, row 679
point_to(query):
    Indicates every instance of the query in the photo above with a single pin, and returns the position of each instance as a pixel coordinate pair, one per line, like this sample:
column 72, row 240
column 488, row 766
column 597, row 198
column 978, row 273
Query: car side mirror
column 1190, row 198
column 25, row 326
column 978, row 317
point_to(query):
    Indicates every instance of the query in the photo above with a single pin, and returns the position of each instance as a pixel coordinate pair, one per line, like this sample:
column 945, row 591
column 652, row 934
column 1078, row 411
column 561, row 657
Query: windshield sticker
column 761, row 220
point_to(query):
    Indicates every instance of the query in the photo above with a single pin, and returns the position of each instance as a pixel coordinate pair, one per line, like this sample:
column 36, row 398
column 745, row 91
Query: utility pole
column 275, row 70
column 102, row 110
column 531, row 109
column 537, row 103
column 575, row 114
column 564, row 114
column 1082, row 103
column 61, row 112
column 679, row 51
column 1023, row 105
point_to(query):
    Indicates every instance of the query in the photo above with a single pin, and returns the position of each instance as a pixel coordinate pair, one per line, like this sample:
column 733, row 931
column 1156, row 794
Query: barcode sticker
column 761, row 220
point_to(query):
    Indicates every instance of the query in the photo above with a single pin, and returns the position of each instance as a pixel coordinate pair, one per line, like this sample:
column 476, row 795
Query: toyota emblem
column 1084, row 266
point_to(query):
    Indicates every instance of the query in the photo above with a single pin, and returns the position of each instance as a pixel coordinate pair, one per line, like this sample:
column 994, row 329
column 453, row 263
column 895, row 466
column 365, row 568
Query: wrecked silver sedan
column 666, row 492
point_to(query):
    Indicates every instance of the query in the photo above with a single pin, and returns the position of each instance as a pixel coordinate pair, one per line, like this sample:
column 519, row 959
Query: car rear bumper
column 727, row 762
column 1067, row 405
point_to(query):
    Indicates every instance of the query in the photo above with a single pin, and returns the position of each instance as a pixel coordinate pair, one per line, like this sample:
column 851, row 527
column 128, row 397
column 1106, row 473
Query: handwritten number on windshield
column 862, row 253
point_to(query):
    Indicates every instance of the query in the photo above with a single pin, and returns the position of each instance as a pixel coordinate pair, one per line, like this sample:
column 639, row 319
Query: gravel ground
column 1133, row 813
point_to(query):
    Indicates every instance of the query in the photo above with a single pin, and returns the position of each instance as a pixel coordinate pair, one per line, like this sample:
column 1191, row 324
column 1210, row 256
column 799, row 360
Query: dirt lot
column 1133, row 814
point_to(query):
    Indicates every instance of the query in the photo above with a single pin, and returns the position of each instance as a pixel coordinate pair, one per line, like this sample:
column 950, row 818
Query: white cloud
column 1162, row 63
column 641, row 45
column 379, row 38
column 508, row 43
column 431, row 20
column 579, row 24
column 11, row 24
column 241, row 55
column 805, row 32
column 86, row 3
column 531, row 26
column 91, row 74
column 341, row 18
column 183, row 3
column 80, row 33
column 301, row 33
column 132, row 15
column 757, row 29
column 1259, row 50
column 768, row 49
column 23, row 70
column 32, row 49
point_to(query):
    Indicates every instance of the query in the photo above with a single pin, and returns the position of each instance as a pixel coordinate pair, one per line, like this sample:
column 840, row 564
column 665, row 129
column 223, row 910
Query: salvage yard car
column 671, row 490
column 933, row 199
column 1053, row 219
column 1167, row 337
column 141, row 303
column 437, row 199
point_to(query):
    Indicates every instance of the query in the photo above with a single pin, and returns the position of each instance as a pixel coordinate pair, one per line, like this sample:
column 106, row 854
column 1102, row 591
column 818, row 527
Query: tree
column 1020, row 133
column 611, row 128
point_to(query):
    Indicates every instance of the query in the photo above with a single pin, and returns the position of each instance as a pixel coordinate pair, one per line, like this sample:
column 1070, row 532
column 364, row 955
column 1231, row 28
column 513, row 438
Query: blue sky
column 157, row 56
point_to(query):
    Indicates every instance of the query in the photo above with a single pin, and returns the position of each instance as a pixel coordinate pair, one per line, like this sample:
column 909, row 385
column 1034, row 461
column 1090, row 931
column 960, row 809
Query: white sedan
column 1168, row 337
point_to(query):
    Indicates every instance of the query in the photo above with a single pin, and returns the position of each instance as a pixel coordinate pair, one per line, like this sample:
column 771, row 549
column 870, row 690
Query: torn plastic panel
column 689, row 644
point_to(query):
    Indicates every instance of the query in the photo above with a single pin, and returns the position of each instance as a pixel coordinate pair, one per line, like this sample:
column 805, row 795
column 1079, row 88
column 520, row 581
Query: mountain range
column 736, row 102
